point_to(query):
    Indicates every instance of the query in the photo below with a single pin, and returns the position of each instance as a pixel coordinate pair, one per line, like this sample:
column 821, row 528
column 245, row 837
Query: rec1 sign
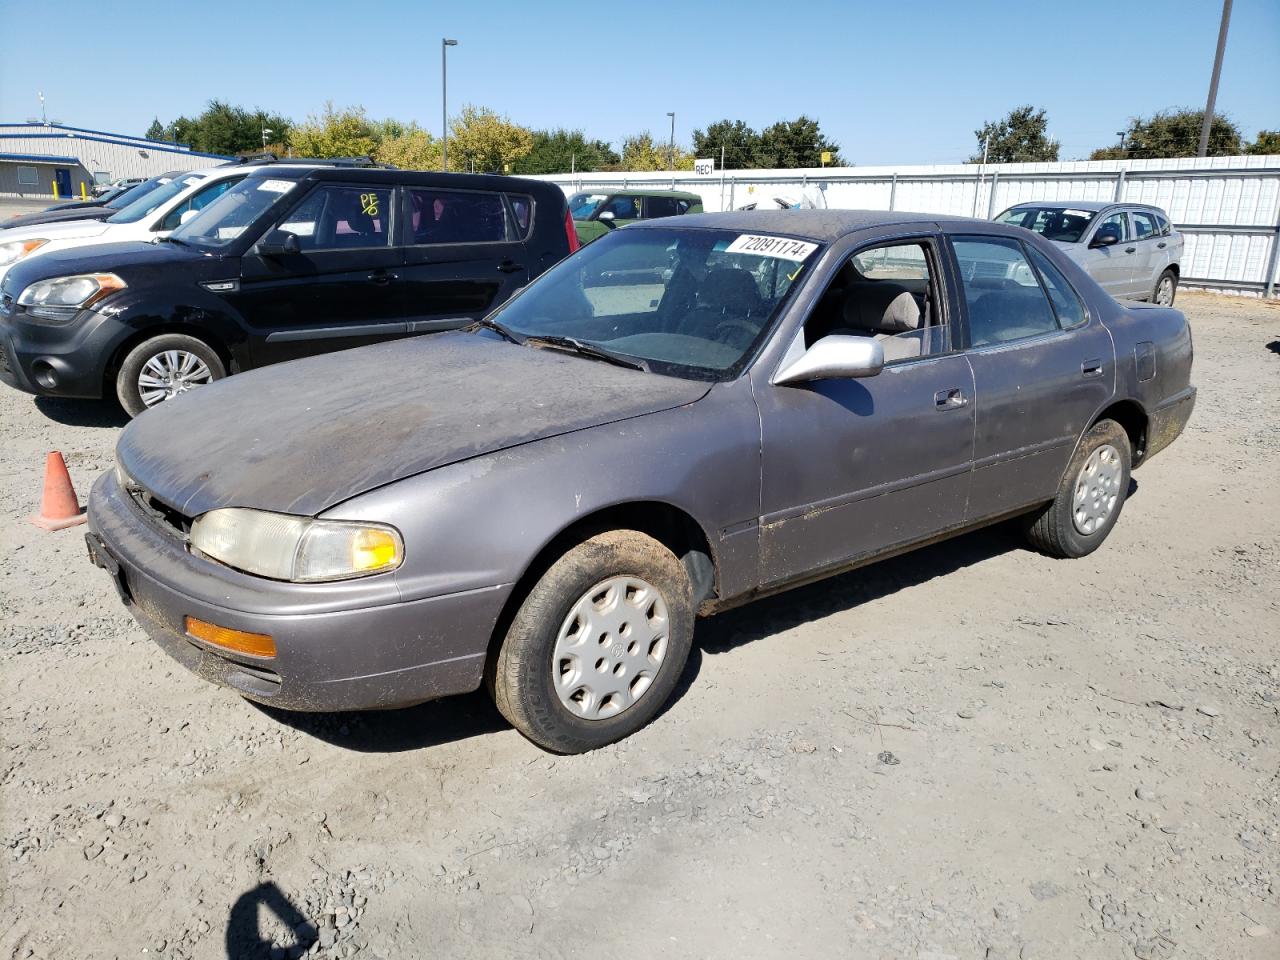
column 704, row 168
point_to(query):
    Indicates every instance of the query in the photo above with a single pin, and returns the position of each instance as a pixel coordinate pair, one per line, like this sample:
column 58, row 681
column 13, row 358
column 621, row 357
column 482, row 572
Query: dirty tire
column 127, row 378
column 524, row 671
column 1172, row 280
column 1053, row 530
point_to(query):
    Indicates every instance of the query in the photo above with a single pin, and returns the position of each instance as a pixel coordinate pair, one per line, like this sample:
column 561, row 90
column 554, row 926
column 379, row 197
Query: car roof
column 630, row 192
column 1091, row 205
column 426, row 178
column 822, row 225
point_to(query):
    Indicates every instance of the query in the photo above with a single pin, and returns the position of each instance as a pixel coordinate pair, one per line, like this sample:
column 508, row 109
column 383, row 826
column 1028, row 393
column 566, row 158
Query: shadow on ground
column 82, row 413
column 244, row 939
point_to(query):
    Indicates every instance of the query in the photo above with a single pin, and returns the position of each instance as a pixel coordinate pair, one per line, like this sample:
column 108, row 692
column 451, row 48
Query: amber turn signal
column 241, row 641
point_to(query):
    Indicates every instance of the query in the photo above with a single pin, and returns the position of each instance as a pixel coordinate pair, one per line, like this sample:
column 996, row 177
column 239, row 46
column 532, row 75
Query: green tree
column 482, row 140
column 640, row 152
column 335, row 133
column 1018, row 138
column 1268, row 142
column 156, row 130
column 740, row 143
column 562, row 151
column 414, row 149
column 223, row 128
column 794, row 143
column 1175, row 133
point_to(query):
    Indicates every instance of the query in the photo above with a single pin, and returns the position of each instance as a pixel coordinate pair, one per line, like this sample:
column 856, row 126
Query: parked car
column 1131, row 249
column 596, row 213
column 288, row 261
column 685, row 415
column 98, row 209
column 120, row 183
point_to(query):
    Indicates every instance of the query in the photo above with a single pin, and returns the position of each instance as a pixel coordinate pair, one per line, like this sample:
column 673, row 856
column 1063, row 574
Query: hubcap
column 1164, row 294
column 1097, row 489
column 170, row 373
column 610, row 647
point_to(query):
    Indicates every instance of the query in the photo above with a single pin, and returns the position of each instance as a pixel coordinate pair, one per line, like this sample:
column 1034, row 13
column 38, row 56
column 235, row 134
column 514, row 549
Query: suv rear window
column 522, row 207
column 451, row 216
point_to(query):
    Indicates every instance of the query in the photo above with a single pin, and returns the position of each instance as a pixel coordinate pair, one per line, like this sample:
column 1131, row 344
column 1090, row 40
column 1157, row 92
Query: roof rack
column 259, row 159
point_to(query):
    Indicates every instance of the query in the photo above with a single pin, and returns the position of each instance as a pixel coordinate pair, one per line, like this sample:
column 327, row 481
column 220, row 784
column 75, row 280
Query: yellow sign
column 826, row 157
column 369, row 204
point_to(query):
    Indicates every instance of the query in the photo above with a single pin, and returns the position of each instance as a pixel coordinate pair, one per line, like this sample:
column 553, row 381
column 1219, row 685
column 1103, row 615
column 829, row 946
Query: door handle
column 951, row 399
column 1091, row 368
column 1130, row 249
column 507, row 266
column 382, row 277
column 1162, row 244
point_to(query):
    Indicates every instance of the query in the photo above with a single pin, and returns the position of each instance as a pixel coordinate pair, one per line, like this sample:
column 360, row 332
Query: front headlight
column 297, row 549
column 15, row 250
column 61, row 297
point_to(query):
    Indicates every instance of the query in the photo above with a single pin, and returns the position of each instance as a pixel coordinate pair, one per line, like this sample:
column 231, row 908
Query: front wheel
column 163, row 367
column 1090, row 496
column 598, row 644
column 1166, row 289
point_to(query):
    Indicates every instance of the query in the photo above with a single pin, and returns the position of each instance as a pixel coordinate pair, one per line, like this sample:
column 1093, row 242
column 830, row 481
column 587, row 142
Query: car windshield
column 1064, row 224
column 583, row 205
column 146, row 205
column 226, row 218
column 685, row 302
column 123, row 196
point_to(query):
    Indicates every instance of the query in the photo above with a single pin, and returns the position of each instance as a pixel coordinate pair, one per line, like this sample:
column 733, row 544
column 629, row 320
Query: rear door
column 1111, row 266
column 1149, row 258
column 654, row 207
column 1042, row 369
column 342, row 289
column 463, row 256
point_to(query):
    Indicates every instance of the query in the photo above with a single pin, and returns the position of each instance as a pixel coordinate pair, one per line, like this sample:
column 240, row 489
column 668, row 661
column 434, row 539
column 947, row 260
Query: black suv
column 291, row 261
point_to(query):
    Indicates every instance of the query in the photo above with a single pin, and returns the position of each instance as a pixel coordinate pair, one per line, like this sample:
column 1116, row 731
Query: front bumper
column 59, row 359
column 352, row 645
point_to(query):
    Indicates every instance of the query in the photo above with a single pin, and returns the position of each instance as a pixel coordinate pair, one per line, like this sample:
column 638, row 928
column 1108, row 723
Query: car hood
column 54, row 216
column 136, row 261
column 304, row 436
column 64, row 230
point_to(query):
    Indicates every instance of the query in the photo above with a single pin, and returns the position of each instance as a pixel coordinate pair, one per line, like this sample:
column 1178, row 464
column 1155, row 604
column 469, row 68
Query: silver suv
column 1131, row 249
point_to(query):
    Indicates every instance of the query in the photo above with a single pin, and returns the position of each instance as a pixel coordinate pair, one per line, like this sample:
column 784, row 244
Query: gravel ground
column 967, row 752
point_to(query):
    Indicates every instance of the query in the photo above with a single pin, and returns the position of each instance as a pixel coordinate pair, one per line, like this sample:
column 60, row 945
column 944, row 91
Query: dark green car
column 596, row 213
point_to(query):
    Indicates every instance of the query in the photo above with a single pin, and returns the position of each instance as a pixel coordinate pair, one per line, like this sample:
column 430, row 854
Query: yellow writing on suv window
column 369, row 203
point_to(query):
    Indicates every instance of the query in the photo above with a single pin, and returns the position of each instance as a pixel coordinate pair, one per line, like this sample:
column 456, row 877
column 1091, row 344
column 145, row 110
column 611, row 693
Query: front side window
column 1120, row 222
column 689, row 303
column 1063, row 224
column 888, row 293
column 1004, row 298
column 341, row 218
column 452, row 216
column 142, row 207
column 197, row 202
column 623, row 208
column 1144, row 225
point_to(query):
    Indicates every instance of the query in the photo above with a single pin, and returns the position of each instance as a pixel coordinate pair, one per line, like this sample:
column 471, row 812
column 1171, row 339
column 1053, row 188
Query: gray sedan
column 1131, row 249
column 682, row 417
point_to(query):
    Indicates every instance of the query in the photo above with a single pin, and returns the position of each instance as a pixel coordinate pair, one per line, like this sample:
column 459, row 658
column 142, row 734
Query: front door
column 1111, row 266
column 1042, row 368
column 853, row 467
column 462, row 258
column 62, row 177
column 341, row 289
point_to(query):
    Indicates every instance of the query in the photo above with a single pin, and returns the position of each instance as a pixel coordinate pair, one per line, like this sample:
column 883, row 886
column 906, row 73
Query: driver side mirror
column 1107, row 236
column 835, row 357
column 187, row 216
column 607, row 217
column 278, row 243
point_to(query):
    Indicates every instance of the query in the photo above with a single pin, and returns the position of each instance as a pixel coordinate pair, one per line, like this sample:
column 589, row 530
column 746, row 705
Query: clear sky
column 890, row 81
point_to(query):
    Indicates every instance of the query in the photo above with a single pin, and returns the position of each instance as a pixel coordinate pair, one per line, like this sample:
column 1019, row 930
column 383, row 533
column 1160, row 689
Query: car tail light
column 571, row 232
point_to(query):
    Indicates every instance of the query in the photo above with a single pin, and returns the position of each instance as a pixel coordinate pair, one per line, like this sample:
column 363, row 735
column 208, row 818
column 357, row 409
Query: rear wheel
column 1166, row 289
column 164, row 367
column 1090, row 497
column 598, row 645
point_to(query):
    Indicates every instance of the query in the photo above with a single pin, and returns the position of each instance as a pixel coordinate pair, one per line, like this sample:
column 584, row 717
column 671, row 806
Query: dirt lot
column 971, row 752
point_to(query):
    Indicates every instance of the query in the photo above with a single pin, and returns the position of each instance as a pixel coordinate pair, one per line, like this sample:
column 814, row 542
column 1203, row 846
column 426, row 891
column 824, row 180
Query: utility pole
column 671, row 149
column 722, row 176
column 44, row 119
column 444, row 103
column 1122, row 134
column 1213, row 81
column 982, row 168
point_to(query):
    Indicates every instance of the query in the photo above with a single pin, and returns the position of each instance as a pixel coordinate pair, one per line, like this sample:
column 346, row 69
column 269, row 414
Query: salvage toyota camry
column 679, row 418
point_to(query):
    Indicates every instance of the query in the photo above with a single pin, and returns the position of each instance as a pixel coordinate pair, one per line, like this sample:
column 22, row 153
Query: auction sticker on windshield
column 765, row 246
column 276, row 186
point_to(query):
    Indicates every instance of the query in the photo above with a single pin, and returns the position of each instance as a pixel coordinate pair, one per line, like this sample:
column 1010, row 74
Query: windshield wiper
column 501, row 329
column 589, row 349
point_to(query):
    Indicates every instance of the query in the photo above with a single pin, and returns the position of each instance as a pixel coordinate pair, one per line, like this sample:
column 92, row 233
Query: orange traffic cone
column 59, row 507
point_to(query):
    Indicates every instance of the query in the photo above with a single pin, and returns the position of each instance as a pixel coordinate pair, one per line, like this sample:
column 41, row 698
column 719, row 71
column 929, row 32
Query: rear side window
column 1004, row 297
column 522, row 207
column 1066, row 304
column 451, row 216
column 660, row 207
column 1144, row 225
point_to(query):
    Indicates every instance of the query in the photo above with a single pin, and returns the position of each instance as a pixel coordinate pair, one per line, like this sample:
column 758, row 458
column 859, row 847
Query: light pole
column 444, row 103
column 266, row 132
column 1213, row 81
column 1122, row 134
column 671, row 150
